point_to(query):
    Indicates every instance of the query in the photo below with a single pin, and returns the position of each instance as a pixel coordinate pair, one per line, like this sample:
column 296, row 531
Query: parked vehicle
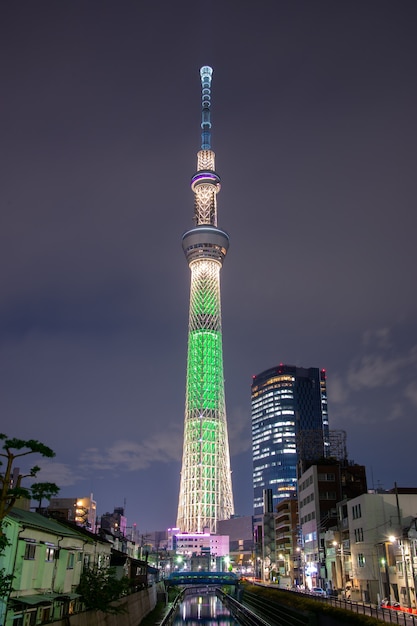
column 318, row 591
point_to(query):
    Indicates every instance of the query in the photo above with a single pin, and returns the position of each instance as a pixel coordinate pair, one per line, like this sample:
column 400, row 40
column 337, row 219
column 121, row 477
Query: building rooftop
column 35, row 520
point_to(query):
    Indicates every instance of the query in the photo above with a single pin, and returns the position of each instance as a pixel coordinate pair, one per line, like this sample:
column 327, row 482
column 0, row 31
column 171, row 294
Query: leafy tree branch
column 40, row 491
column 11, row 450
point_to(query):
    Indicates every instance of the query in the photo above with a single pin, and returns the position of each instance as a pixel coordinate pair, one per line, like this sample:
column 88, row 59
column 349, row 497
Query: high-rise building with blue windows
column 290, row 428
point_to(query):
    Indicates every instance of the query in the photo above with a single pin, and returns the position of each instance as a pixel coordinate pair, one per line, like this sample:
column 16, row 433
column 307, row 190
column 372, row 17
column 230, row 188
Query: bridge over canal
column 202, row 578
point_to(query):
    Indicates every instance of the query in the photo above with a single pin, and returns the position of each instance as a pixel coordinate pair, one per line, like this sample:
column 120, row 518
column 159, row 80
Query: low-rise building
column 82, row 510
column 288, row 552
column 46, row 559
column 241, row 544
column 115, row 523
column 203, row 551
column 383, row 546
column 320, row 488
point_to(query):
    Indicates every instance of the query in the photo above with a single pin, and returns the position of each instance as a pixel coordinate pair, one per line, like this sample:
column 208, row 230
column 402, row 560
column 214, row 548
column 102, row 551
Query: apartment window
column 46, row 614
column 356, row 511
column 328, row 477
column 50, row 552
column 70, row 562
column 361, row 560
column 28, row 619
column 327, row 495
column 30, row 550
column 358, row 534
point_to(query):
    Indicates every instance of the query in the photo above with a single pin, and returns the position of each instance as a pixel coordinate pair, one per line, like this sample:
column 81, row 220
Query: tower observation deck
column 206, row 486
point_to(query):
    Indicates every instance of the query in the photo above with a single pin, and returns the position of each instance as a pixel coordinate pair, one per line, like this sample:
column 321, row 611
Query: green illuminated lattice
column 205, row 389
column 205, row 492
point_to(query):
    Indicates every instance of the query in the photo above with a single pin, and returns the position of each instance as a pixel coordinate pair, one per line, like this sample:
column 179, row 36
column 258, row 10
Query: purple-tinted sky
column 315, row 133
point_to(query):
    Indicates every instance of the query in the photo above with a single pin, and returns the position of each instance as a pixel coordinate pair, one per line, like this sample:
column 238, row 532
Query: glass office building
column 290, row 427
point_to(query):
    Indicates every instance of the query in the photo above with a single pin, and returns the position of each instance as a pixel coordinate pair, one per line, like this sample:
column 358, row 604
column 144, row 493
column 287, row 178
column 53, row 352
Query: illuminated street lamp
column 300, row 565
column 404, row 566
column 381, row 563
column 258, row 568
column 283, row 559
column 342, row 564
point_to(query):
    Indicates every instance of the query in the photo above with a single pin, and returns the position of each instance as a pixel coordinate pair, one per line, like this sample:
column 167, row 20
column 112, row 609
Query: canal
column 203, row 609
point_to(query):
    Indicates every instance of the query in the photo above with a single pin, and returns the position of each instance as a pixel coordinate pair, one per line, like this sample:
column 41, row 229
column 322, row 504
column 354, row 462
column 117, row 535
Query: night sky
column 314, row 109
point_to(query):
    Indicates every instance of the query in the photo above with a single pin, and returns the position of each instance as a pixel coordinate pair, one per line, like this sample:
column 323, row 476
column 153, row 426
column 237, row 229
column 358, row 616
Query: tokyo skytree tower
column 206, row 486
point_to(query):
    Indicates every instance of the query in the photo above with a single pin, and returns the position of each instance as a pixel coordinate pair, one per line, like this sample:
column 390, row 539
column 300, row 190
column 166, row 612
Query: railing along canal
column 169, row 617
column 241, row 613
column 391, row 615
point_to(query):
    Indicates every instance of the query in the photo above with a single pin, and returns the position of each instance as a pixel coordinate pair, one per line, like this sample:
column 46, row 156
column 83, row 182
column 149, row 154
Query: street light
column 404, row 566
column 342, row 564
column 281, row 565
column 300, row 565
column 258, row 568
column 381, row 562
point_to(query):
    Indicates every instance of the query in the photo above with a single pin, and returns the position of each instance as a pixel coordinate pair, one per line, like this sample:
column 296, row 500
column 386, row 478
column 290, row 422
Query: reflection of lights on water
column 213, row 606
column 205, row 608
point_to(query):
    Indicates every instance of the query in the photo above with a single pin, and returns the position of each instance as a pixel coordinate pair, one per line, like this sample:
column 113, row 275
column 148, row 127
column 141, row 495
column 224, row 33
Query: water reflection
column 203, row 609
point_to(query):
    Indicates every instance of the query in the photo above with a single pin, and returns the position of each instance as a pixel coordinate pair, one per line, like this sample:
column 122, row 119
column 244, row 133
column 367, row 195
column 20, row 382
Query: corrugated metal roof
column 34, row 520
column 45, row 598
column 35, row 599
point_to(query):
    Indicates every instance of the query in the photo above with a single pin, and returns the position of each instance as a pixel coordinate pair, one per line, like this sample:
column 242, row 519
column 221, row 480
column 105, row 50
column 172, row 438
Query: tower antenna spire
column 206, row 74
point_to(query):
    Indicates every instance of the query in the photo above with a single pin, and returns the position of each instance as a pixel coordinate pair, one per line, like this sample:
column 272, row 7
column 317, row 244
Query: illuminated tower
column 206, row 485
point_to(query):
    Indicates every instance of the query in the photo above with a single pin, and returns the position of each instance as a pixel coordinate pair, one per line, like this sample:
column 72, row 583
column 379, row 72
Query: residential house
column 46, row 559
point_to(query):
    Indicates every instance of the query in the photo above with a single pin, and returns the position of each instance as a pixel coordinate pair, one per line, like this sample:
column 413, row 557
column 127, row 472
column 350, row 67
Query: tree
column 43, row 490
column 13, row 449
column 100, row 587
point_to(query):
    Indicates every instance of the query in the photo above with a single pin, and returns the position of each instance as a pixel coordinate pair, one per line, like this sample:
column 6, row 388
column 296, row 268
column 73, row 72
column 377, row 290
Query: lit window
column 49, row 554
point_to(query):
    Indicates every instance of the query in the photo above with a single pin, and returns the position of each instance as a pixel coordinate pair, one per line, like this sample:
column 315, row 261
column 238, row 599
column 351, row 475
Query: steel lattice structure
column 206, row 485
